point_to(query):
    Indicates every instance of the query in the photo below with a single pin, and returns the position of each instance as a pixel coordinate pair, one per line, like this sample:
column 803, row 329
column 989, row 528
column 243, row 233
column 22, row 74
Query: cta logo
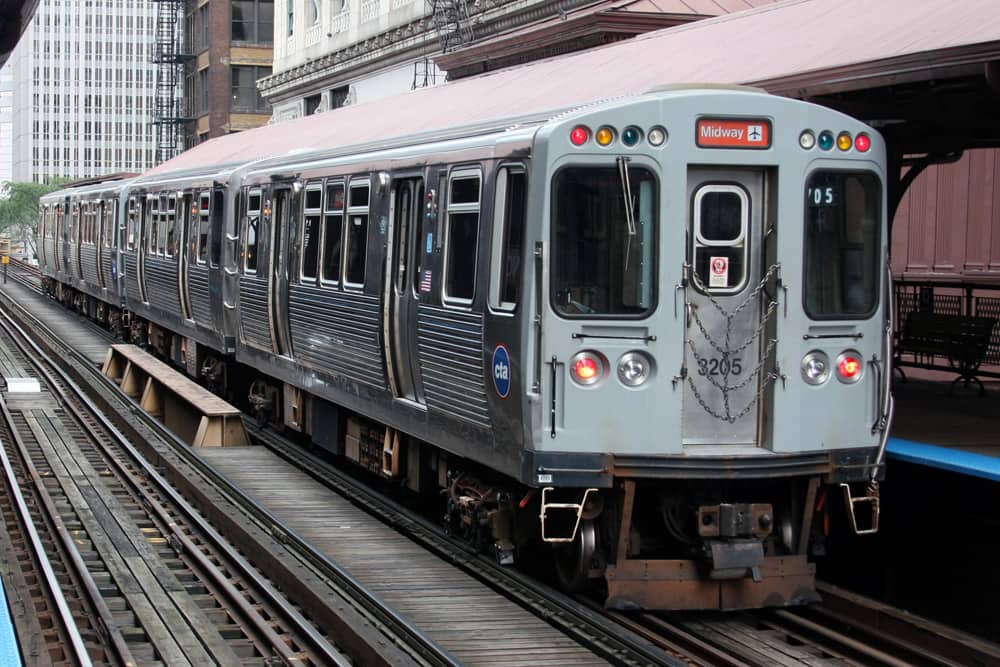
column 501, row 371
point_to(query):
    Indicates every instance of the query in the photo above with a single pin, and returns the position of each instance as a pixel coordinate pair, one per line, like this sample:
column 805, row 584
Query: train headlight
column 850, row 367
column 634, row 368
column 807, row 139
column 586, row 368
column 816, row 367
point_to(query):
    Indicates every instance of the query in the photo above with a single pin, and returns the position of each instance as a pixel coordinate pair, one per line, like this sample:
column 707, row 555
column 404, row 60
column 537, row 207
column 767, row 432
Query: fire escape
column 454, row 30
column 169, row 58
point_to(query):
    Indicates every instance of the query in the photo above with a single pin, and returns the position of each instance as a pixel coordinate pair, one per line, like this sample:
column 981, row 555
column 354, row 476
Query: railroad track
column 829, row 634
column 165, row 586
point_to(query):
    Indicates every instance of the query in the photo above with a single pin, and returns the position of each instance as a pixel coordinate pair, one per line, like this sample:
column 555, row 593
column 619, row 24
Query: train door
column 100, row 232
column 277, row 287
column 401, row 295
column 186, row 252
column 725, row 344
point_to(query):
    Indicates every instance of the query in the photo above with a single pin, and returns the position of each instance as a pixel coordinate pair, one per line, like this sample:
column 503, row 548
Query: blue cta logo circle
column 501, row 371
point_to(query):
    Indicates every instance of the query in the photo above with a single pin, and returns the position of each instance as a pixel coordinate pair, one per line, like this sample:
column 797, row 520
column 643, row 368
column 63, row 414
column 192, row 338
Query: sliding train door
column 264, row 280
column 401, row 287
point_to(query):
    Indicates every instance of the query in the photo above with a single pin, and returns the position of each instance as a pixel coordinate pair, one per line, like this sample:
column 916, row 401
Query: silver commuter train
column 649, row 333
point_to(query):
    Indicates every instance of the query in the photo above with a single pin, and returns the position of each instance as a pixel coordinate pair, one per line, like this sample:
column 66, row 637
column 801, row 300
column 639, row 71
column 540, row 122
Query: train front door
column 402, row 276
column 726, row 339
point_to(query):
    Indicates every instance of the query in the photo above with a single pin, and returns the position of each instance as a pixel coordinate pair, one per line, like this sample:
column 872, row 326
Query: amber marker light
column 605, row 136
column 845, row 141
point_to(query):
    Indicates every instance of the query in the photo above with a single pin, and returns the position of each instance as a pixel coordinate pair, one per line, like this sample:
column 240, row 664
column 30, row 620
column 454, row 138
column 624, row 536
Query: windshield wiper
column 629, row 204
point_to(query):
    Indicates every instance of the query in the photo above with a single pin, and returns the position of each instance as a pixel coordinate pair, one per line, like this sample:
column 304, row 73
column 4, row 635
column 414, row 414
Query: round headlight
column 815, row 367
column 634, row 368
column 807, row 139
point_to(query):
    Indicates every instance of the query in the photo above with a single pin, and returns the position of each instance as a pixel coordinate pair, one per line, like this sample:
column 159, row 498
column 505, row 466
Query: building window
column 290, row 23
column 203, row 89
column 312, row 104
column 246, row 95
column 338, row 97
column 203, row 19
column 253, row 21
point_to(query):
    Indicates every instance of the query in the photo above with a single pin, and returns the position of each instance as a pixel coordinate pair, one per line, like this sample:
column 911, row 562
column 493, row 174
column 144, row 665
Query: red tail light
column 586, row 368
column 850, row 367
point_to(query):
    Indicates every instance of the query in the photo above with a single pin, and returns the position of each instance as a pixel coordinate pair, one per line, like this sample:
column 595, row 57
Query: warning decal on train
column 731, row 133
column 719, row 274
column 501, row 371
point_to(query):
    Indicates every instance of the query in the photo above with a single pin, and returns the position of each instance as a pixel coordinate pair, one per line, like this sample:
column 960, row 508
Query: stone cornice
column 402, row 44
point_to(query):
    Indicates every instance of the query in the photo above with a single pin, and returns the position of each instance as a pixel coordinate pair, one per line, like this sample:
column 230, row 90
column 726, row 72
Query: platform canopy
column 924, row 71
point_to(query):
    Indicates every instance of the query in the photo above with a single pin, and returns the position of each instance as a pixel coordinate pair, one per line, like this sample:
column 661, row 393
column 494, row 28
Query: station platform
column 946, row 426
column 84, row 335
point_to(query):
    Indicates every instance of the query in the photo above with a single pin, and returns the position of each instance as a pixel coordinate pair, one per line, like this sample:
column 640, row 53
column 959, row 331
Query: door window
column 721, row 220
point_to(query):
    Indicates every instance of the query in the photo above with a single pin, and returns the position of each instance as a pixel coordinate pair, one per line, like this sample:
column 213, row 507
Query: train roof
column 760, row 44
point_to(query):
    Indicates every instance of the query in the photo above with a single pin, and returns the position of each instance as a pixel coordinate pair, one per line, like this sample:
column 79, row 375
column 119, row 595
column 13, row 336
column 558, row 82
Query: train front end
column 709, row 340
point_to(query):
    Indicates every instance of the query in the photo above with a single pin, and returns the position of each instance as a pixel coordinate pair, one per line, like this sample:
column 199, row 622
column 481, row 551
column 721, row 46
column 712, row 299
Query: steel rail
column 417, row 641
column 106, row 620
column 322, row 646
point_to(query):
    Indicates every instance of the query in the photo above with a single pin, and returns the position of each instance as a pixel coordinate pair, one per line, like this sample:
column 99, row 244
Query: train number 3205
column 716, row 366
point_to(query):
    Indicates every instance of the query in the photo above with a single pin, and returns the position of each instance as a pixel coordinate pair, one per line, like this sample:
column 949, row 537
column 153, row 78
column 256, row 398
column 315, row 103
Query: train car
column 174, row 254
column 639, row 313
column 643, row 338
column 78, row 246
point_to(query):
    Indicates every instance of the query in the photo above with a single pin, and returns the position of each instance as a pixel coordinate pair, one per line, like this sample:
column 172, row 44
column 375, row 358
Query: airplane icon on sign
column 755, row 133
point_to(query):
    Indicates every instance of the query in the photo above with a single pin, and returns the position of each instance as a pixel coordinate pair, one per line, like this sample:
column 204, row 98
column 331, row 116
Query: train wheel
column 574, row 560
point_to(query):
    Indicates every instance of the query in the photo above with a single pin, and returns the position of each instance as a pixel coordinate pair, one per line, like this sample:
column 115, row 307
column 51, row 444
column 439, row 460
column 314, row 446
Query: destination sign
column 753, row 133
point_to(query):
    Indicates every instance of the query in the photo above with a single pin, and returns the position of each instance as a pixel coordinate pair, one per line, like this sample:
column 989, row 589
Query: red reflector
column 849, row 367
column 579, row 135
column 585, row 369
column 862, row 142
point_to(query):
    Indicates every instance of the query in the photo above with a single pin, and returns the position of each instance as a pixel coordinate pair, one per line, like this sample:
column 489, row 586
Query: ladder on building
column 169, row 56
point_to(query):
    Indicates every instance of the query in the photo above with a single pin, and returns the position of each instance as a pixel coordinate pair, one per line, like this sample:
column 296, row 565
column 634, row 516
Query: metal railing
column 950, row 298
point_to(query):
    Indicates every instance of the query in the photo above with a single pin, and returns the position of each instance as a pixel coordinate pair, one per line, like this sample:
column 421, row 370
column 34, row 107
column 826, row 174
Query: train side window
column 204, row 211
column 170, row 249
column 508, row 237
column 333, row 231
column 215, row 238
column 253, row 223
column 133, row 224
column 152, row 223
column 357, row 233
column 461, row 236
column 721, row 219
column 311, row 215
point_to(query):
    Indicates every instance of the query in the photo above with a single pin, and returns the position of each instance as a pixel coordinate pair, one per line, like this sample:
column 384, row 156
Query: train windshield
column 842, row 246
column 603, row 261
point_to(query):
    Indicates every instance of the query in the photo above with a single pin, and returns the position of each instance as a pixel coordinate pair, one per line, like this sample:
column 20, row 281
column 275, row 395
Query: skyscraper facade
column 6, row 123
column 83, row 90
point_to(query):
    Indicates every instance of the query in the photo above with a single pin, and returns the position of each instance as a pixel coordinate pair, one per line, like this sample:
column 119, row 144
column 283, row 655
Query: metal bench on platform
column 193, row 413
column 961, row 339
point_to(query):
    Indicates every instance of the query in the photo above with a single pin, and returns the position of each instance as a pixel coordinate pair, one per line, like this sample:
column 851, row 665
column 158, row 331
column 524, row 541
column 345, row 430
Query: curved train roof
column 757, row 45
